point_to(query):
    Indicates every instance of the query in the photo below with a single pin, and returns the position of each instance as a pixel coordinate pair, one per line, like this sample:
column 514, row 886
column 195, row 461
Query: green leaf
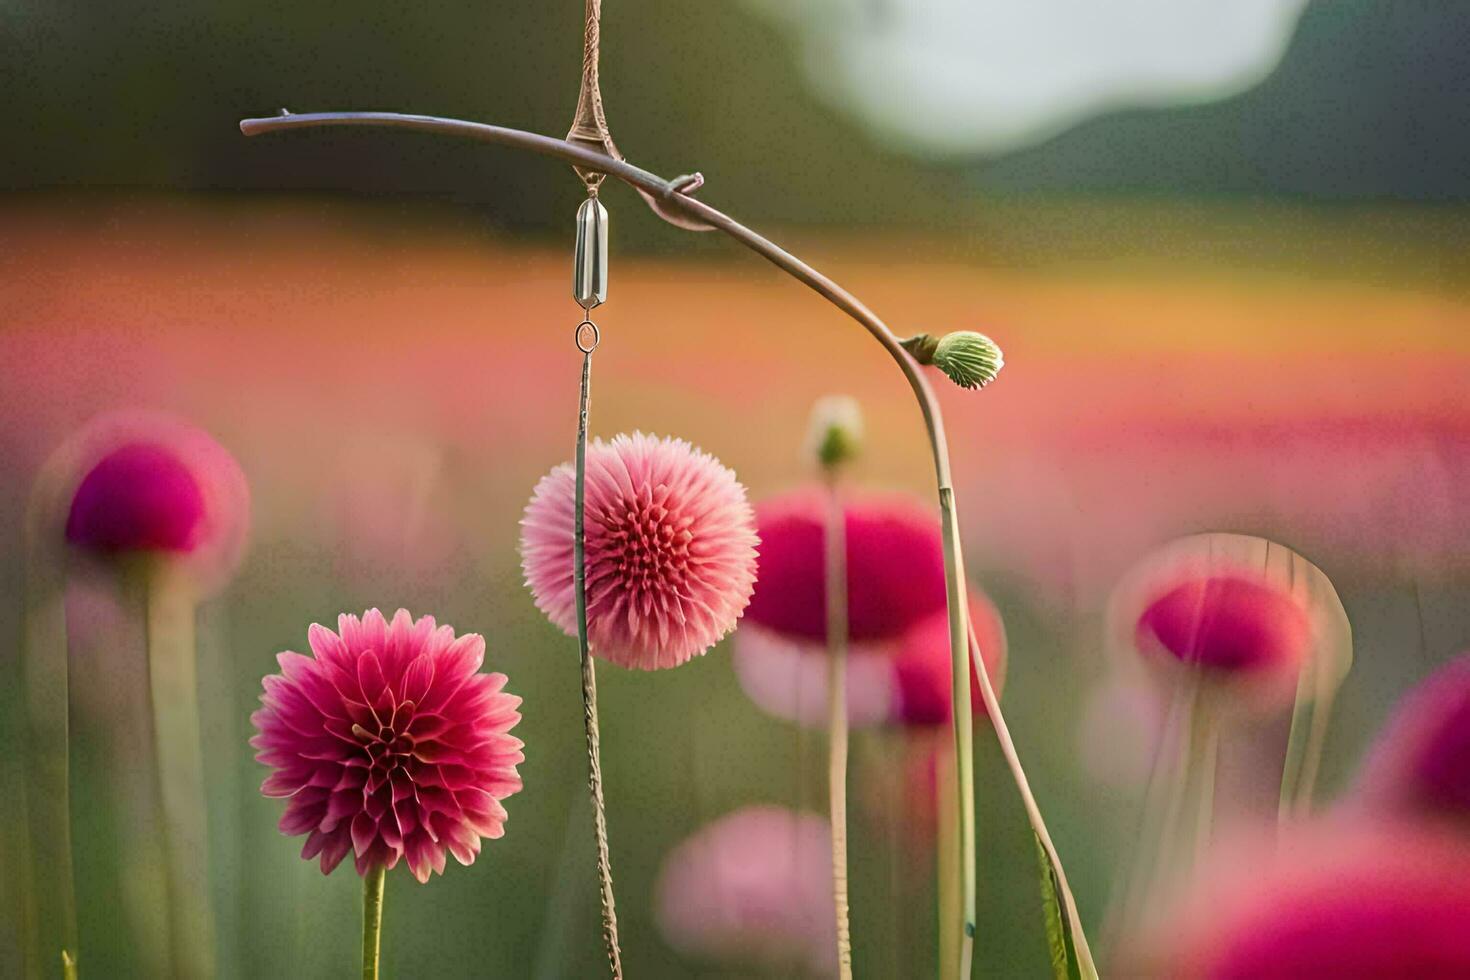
column 1058, row 934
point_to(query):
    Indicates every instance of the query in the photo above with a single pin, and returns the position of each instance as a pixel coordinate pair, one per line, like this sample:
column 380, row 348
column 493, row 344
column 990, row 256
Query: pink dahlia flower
column 388, row 743
column 1420, row 764
column 147, row 483
column 895, row 565
column 923, row 692
column 1350, row 901
column 671, row 550
column 754, row 886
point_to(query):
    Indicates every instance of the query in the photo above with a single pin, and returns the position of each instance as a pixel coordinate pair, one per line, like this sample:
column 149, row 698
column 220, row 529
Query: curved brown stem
column 673, row 201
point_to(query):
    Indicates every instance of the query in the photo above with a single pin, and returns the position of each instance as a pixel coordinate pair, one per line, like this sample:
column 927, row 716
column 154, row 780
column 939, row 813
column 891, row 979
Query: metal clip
column 589, row 272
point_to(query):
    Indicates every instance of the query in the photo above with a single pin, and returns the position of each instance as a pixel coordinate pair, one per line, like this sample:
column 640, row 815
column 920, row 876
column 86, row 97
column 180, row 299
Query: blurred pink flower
column 788, row 680
column 895, row 565
column 671, row 550
column 1252, row 616
column 753, row 886
column 388, row 742
column 922, row 665
column 133, row 482
column 1420, row 764
column 1226, row 622
column 1351, row 900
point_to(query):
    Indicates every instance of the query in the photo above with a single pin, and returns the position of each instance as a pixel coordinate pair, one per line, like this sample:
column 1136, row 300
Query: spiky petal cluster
column 389, row 743
column 671, row 550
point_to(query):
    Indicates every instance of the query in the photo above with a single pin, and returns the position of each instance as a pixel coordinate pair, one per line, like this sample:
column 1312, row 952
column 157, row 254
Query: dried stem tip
column 970, row 359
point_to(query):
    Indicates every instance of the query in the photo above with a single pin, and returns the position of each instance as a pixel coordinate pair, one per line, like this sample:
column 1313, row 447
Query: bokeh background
column 1223, row 246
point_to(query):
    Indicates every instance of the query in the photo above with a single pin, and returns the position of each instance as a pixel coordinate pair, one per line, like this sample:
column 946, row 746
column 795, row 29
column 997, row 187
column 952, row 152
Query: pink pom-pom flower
column 671, row 550
column 389, row 743
column 145, row 483
column 895, row 565
column 1420, row 765
column 753, row 887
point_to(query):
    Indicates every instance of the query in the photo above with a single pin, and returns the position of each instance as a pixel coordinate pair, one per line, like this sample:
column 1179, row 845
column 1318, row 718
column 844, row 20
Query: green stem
column 1086, row 968
column 589, row 683
column 174, row 700
column 372, row 920
column 836, row 576
column 51, row 915
column 964, row 723
column 947, row 863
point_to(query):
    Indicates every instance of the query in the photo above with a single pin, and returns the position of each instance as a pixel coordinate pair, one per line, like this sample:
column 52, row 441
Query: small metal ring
column 589, row 346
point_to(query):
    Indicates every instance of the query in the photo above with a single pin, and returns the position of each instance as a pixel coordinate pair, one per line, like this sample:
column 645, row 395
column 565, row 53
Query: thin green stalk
column 947, row 864
column 836, row 567
column 51, row 916
column 372, row 920
column 1086, row 968
column 589, row 683
column 174, row 701
column 964, row 741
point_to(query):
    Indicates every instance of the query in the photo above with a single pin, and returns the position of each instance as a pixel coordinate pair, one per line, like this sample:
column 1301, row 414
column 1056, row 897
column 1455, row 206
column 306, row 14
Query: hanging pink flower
column 145, row 483
column 1350, row 901
column 752, row 887
column 1420, row 765
column 922, row 666
column 388, row 743
column 895, row 565
column 671, row 550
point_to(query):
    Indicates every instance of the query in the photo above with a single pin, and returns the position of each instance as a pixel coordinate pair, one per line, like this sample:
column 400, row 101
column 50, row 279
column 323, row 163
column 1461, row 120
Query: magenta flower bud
column 1251, row 617
column 1420, row 764
column 1226, row 622
column 895, row 566
column 139, row 497
column 922, row 690
column 134, row 483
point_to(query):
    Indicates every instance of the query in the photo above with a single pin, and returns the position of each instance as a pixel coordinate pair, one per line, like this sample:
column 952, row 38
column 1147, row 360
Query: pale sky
column 965, row 77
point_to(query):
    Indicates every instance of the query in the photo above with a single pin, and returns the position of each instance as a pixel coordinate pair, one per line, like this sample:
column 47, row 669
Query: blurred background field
column 1248, row 311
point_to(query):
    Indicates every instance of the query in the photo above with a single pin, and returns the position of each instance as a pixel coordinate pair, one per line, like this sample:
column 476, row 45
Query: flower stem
column 372, row 920
column 174, row 700
column 964, row 740
column 589, row 683
column 48, row 875
column 947, row 863
column 836, row 541
column 1086, row 968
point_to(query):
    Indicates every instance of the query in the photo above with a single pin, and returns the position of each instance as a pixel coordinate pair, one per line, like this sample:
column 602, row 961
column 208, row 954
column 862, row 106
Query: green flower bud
column 972, row 360
column 835, row 435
